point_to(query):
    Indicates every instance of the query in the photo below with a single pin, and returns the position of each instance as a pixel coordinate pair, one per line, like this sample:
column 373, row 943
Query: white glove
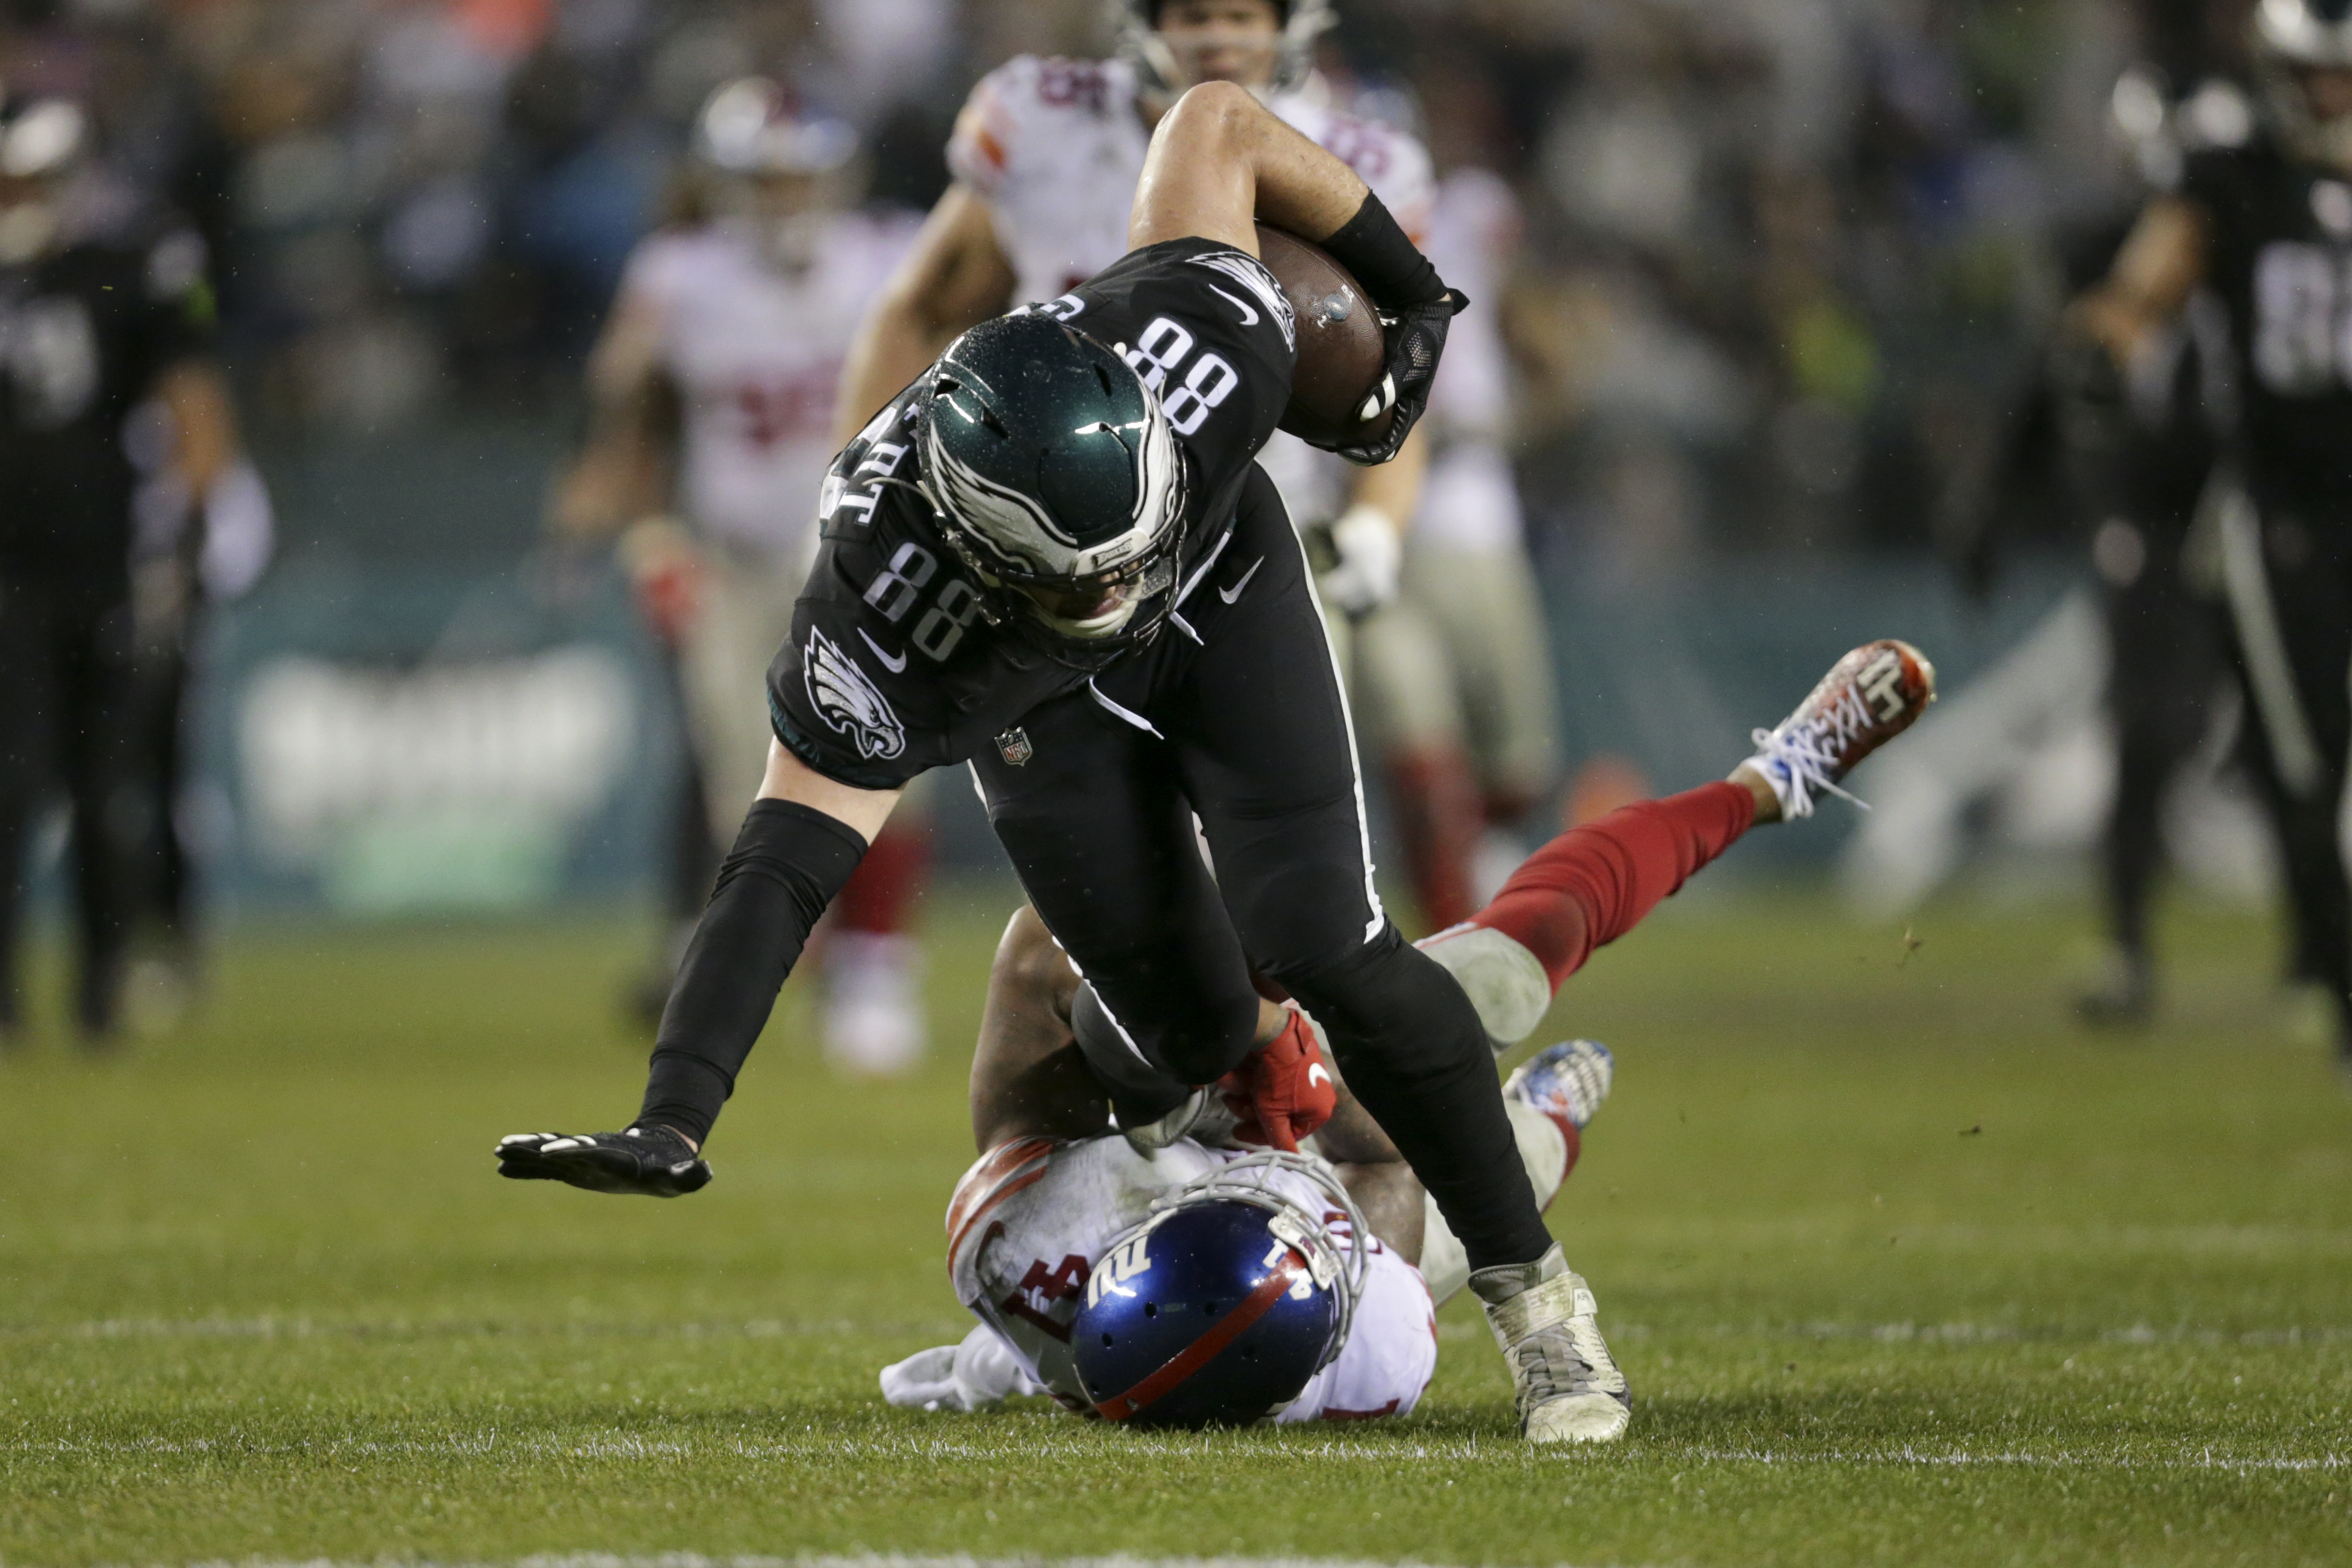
column 1370, row 555
column 980, row 1373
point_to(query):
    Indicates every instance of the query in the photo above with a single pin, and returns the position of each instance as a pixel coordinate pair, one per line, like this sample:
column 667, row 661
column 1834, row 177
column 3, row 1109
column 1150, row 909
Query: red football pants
column 1593, row 884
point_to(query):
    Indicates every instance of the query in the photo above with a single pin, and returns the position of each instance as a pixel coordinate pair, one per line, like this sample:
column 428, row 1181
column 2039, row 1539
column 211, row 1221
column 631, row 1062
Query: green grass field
column 1903, row 1268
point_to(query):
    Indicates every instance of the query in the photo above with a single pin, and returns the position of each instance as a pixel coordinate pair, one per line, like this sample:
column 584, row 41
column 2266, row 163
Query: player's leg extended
column 1483, row 604
column 1262, row 733
column 1593, row 884
column 28, row 721
column 1408, row 715
column 2300, row 717
column 98, row 696
column 1103, row 841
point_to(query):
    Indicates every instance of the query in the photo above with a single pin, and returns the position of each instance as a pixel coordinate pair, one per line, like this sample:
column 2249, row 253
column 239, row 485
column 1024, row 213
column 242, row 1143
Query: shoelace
column 1807, row 753
column 1555, row 1363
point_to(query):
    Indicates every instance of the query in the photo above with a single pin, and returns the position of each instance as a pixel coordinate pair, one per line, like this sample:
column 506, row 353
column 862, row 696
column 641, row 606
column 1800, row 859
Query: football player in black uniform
column 89, row 326
column 1052, row 558
column 2268, row 228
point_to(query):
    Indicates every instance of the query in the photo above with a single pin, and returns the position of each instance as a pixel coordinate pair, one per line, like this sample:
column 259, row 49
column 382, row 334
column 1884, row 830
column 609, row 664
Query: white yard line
column 697, row 1560
column 268, row 1328
column 1371, row 1449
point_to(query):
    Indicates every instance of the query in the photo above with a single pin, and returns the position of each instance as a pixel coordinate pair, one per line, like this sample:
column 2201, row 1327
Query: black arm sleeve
column 786, row 865
column 1373, row 246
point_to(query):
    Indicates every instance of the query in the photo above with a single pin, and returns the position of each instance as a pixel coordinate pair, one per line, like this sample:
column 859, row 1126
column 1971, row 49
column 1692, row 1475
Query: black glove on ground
column 653, row 1161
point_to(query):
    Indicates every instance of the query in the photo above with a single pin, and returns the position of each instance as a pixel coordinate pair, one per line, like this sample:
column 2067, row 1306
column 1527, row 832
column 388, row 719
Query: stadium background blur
column 1905, row 1266
column 1790, row 275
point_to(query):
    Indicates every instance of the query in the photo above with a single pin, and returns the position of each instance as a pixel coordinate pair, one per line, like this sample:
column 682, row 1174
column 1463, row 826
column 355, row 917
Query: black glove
column 654, row 1161
column 1416, row 338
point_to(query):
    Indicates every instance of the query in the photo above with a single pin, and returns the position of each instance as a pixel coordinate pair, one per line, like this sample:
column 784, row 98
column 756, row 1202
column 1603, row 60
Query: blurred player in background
column 1045, row 156
column 100, row 307
column 2268, row 226
column 192, row 551
column 713, row 388
column 2139, row 451
column 1454, row 677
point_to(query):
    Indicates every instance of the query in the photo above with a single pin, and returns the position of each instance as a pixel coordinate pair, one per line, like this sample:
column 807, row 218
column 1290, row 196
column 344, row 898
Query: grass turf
column 1903, row 1269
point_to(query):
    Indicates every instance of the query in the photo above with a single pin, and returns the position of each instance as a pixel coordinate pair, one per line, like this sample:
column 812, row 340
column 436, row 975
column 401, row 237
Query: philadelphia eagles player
column 1052, row 557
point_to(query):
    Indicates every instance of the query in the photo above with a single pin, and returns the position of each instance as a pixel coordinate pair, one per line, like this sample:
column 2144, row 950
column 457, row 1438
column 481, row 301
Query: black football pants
column 2306, row 571
column 67, row 696
column 2167, row 661
column 1234, row 714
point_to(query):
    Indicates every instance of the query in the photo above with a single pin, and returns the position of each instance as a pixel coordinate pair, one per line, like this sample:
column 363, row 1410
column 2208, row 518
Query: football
column 1340, row 346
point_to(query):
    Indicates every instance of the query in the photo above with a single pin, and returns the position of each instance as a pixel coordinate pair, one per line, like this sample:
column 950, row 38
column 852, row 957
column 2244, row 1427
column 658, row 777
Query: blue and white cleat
column 1567, row 1081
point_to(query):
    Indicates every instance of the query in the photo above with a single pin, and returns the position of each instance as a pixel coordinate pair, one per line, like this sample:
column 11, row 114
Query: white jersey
column 1470, row 500
column 1056, row 147
column 1029, row 1220
column 756, row 353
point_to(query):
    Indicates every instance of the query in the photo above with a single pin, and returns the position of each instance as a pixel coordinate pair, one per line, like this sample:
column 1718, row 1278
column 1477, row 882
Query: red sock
column 1439, row 816
column 1593, row 884
column 879, row 897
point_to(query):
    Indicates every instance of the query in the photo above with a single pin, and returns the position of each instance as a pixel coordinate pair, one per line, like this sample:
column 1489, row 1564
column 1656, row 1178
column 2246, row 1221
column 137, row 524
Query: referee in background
column 96, row 315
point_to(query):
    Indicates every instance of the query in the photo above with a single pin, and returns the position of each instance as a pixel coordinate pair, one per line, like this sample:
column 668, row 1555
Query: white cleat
column 873, row 1003
column 1545, row 1321
column 1869, row 696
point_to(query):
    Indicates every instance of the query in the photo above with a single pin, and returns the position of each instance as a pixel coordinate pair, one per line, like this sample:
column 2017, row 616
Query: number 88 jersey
column 2279, row 249
column 892, row 667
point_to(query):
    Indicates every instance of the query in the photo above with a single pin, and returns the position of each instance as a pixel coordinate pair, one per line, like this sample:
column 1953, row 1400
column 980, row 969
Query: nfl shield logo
column 1015, row 747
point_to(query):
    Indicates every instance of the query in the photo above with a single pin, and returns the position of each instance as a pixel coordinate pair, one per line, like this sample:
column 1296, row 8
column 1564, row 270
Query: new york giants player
column 1046, row 154
column 1056, row 1184
column 713, row 388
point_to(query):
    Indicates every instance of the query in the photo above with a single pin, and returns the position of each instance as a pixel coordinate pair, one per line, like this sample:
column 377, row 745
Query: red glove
column 1283, row 1090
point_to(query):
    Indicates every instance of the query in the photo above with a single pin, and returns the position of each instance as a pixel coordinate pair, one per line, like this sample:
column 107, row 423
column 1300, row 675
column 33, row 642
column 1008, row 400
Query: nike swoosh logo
column 1229, row 594
column 1249, row 317
column 1315, row 1074
column 889, row 664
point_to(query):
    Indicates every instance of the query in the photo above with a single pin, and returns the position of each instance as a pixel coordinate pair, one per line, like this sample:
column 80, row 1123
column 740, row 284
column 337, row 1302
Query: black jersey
column 83, row 335
column 890, row 669
column 2280, row 256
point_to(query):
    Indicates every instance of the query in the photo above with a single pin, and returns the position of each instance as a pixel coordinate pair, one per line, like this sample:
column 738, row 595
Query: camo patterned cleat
column 1568, row 1387
column 1869, row 697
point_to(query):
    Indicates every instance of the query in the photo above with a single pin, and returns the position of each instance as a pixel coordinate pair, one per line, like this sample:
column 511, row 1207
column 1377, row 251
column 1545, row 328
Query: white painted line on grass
column 2204, row 1459
column 1369, row 1447
column 877, row 1560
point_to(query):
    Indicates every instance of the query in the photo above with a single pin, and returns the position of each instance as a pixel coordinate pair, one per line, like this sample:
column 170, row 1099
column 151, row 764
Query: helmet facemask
column 1167, row 64
column 2293, row 40
column 781, row 174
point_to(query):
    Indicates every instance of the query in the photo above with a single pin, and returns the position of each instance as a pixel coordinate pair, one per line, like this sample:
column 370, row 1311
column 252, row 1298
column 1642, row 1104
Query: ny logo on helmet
column 1120, row 1265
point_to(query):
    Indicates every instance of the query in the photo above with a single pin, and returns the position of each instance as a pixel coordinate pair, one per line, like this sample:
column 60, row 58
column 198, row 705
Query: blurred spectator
column 103, row 305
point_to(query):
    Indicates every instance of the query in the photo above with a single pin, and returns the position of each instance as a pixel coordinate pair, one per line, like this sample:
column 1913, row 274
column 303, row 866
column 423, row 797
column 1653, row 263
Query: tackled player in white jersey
column 713, row 388
column 1063, row 1210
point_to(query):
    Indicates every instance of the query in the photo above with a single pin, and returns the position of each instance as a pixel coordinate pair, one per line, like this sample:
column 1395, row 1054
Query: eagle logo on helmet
column 848, row 701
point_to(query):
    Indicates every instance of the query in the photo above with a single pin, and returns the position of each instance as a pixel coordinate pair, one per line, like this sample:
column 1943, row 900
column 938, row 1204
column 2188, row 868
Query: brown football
column 1340, row 348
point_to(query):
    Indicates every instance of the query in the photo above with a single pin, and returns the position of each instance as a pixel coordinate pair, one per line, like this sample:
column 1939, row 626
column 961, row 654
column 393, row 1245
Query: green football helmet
column 1057, row 482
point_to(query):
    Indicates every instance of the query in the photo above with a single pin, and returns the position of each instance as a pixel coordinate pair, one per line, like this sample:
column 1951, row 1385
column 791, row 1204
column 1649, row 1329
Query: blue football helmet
column 1219, row 1307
